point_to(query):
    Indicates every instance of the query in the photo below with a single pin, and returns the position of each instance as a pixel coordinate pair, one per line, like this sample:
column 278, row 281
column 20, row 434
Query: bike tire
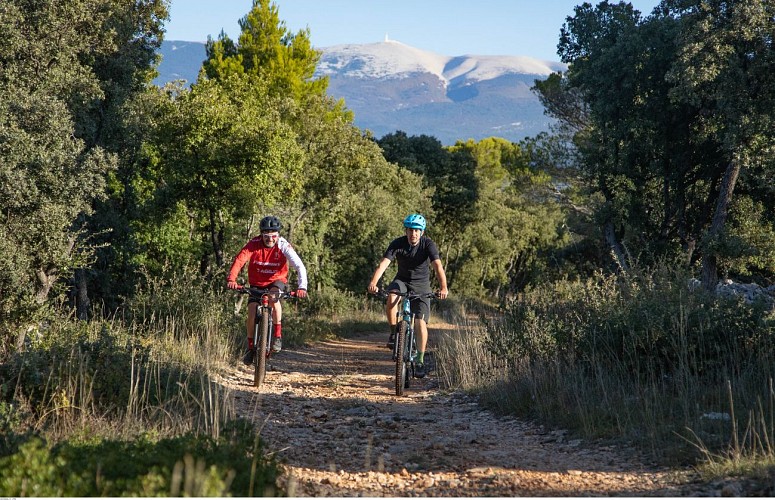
column 401, row 365
column 408, row 351
column 261, row 349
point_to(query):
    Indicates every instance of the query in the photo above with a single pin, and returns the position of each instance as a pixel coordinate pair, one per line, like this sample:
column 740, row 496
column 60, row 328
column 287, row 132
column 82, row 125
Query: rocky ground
column 330, row 413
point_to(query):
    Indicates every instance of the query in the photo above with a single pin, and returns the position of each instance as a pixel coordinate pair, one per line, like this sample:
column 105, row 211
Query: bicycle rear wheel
column 260, row 359
column 401, row 365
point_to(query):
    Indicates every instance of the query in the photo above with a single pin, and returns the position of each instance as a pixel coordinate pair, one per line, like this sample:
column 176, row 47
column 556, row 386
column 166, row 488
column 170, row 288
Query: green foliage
column 493, row 212
column 187, row 465
column 658, row 147
column 266, row 49
column 642, row 358
column 53, row 127
column 222, row 150
column 14, row 424
column 353, row 203
column 515, row 219
column 644, row 324
column 75, row 366
column 48, row 182
column 79, row 381
column 750, row 246
column 451, row 176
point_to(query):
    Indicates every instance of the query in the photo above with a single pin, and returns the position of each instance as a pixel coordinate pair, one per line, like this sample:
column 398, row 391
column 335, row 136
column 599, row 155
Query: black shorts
column 421, row 307
column 275, row 284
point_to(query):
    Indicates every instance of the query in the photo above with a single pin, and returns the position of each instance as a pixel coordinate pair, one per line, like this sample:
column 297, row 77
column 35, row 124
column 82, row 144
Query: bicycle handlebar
column 259, row 292
column 411, row 295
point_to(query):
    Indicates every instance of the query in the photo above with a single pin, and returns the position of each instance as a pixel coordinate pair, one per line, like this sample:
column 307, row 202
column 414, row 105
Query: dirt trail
column 330, row 413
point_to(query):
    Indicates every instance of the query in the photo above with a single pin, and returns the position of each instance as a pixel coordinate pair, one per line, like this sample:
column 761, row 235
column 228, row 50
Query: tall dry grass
column 639, row 359
column 144, row 382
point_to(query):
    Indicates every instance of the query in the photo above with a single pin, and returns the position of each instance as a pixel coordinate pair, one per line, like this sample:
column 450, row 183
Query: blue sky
column 448, row 27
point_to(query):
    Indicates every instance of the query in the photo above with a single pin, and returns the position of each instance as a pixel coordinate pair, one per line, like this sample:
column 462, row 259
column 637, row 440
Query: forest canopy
column 663, row 150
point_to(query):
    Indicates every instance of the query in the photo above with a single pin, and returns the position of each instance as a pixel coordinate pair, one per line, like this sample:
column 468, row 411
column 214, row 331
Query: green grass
column 129, row 405
column 185, row 465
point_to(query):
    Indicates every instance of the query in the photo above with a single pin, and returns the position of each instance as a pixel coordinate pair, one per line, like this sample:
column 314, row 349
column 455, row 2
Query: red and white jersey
column 268, row 264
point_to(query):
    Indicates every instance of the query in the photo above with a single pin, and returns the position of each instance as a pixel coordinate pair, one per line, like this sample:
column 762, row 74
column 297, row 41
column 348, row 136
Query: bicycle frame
column 262, row 338
column 262, row 329
column 405, row 348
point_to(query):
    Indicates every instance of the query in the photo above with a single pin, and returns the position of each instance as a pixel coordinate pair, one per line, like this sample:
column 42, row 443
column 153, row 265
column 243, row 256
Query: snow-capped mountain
column 392, row 86
column 391, row 59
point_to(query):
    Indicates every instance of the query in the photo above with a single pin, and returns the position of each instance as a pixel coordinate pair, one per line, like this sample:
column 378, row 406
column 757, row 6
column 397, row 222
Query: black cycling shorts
column 279, row 285
column 421, row 307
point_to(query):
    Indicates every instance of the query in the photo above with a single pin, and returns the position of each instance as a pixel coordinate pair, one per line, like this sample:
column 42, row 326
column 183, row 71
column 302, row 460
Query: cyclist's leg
column 421, row 307
column 249, row 326
column 421, row 328
column 422, row 312
column 277, row 315
column 250, row 323
column 391, row 304
column 391, row 309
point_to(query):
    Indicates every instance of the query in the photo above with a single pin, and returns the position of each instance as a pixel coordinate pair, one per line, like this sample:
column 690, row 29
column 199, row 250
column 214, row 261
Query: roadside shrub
column 334, row 303
column 76, row 366
column 640, row 357
column 328, row 313
column 14, row 426
column 646, row 323
column 187, row 465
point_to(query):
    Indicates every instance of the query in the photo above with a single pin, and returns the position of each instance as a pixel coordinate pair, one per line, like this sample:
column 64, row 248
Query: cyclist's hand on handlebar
column 233, row 285
column 443, row 293
column 301, row 293
column 372, row 288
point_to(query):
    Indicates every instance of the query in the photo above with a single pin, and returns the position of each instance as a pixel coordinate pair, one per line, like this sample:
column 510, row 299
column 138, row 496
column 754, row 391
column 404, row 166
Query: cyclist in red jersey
column 267, row 257
column 415, row 253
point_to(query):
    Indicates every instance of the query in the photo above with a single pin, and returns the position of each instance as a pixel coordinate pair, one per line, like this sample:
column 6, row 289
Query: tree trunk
column 249, row 228
column 46, row 280
column 616, row 248
column 82, row 302
column 216, row 238
column 47, row 277
column 709, row 257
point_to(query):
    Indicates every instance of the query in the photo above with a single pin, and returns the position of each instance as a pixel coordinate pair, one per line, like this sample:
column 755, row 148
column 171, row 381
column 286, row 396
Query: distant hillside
column 391, row 86
column 180, row 61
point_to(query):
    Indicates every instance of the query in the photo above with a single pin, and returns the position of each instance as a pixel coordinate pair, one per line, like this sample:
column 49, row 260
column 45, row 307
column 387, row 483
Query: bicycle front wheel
column 261, row 349
column 401, row 359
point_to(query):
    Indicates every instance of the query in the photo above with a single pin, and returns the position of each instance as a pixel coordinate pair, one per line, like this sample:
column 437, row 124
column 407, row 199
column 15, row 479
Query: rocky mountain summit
column 392, row 86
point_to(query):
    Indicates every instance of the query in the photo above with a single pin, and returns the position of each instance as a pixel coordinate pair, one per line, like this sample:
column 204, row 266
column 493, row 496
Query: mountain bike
column 405, row 348
column 262, row 328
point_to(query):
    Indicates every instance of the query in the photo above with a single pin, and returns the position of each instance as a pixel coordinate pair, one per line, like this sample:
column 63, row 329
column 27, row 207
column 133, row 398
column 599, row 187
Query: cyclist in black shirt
column 414, row 253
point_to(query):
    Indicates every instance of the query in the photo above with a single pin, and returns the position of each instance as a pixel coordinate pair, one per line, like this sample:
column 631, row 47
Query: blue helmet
column 415, row 221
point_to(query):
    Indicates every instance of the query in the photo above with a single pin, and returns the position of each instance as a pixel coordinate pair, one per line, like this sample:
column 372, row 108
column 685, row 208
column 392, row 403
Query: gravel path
column 330, row 413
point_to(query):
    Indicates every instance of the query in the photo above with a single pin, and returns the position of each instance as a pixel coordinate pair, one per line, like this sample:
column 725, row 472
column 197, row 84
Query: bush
column 640, row 357
column 90, row 366
column 647, row 323
column 188, row 465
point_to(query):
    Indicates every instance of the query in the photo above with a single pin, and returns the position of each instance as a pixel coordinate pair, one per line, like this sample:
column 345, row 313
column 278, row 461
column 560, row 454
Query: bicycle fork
column 258, row 331
column 407, row 316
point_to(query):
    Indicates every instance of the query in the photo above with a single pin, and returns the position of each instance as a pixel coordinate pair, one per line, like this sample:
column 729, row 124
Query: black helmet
column 270, row 223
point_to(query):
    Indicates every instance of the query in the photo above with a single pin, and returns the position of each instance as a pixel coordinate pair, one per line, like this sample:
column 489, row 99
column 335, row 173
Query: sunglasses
column 271, row 234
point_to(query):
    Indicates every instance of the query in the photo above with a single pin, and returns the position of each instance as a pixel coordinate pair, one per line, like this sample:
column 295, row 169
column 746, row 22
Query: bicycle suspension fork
column 408, row 317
